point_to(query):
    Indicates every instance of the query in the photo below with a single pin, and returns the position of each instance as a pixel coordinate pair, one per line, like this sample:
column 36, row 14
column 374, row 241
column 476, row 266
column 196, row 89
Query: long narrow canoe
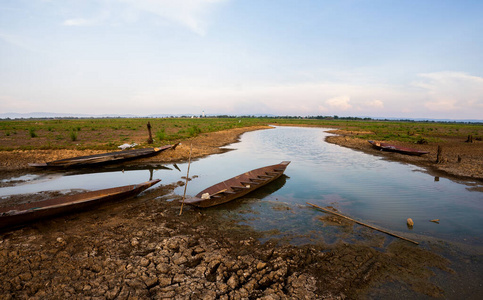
column 393, row 148
column 29, row 212
column 237, row 186
column 104, row 158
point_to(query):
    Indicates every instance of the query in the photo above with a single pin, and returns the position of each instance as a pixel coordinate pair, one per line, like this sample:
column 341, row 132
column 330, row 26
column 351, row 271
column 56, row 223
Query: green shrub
column 161, row 135
column 194, row 131
column 73, row 135
column 32, row 132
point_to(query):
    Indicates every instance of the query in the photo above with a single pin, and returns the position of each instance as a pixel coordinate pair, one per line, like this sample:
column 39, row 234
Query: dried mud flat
column 142, row 248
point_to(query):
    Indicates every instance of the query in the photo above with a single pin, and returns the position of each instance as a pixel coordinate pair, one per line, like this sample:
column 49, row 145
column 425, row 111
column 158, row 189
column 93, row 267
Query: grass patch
column 32, row 133
column 107, row 134
column 73, row 135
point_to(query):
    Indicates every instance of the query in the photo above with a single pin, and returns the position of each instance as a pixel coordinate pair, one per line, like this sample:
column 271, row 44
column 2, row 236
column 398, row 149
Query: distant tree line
column 335, row 117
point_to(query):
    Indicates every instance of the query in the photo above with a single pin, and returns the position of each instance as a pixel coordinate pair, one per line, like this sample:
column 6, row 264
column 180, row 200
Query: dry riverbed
column 142, row 248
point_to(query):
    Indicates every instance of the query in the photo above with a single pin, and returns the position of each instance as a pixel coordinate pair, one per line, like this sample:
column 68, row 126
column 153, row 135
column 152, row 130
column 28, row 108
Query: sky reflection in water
column 364, row 187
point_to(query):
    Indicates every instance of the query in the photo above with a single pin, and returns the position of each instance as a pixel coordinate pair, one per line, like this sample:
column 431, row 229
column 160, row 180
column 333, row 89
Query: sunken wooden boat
column 237, row 186
column 104, row 158
column 398, row 149
column 13, row 216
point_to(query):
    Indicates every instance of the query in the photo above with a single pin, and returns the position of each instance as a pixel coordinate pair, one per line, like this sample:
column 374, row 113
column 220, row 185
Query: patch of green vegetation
column 32, row 133
column 73, row 135
column 194, row 131
column 108, row 133
column 161, row 135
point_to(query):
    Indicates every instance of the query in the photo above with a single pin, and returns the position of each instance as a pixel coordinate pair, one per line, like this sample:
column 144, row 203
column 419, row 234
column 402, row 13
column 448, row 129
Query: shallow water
column 364, row 187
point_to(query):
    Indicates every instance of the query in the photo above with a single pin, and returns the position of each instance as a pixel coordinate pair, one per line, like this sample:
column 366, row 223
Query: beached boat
column 29, row 212
column 393, row 148
column 103, row 158
column 237, row 186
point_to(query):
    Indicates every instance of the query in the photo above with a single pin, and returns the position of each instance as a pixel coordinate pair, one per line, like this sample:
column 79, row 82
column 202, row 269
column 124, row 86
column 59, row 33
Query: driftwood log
column 358, row 222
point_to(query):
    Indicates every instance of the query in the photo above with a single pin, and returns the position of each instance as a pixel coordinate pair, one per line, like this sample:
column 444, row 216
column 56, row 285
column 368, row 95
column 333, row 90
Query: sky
column 366, row 58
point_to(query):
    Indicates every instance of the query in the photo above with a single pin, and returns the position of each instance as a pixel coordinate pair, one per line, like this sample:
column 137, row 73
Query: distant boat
column 237, row 186
column 103, row 158
column 29, row 212
column 393, row 148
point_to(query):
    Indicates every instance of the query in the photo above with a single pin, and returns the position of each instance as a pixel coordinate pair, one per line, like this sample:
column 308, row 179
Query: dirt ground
column 141, row 248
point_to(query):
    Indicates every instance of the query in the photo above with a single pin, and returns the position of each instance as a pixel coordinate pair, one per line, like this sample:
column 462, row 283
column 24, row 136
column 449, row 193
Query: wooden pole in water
column 187, row 177
column 372, row 227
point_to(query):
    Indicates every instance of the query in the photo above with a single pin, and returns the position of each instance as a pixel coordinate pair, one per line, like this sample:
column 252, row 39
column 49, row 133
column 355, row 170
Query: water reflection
column 365, row 187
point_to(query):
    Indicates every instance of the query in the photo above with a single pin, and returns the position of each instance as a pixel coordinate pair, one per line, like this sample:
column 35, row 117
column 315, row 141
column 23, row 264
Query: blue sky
column 376, row 58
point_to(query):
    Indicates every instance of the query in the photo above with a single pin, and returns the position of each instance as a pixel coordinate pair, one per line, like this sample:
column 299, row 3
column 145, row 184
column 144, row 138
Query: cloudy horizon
column 372, row 58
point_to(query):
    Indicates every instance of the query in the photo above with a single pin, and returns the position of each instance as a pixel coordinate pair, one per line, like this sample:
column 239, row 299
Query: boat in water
column 237, row 186
column 13, row 216
column 398, row 149
column 103, row 158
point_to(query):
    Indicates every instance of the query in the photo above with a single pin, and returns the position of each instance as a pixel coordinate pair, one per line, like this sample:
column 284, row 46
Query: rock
column 410, row 223
column 261, row 265
column 61, row 241
column 134, row 242
column 144, row 262
column 232, row 282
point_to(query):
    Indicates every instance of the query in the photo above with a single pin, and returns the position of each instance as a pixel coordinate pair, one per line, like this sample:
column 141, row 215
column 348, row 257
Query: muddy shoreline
column 470, row 166
column 142, row 249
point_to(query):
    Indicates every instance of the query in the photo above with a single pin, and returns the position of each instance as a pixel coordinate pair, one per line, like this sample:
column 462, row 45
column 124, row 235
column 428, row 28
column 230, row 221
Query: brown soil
column 142, row 248
column 202, row 145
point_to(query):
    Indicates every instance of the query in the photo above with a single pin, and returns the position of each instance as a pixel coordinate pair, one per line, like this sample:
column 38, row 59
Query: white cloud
column 15, row 40
column 341, row 102
column 79, row 22
column 452, row 91
column 193, row 14
column 374, row 104
column 189, row 13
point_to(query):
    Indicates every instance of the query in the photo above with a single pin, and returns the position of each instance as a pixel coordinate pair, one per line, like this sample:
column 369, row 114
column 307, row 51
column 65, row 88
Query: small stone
column 61, row 241
column 261, row 265
column 410, row 223
column 232, row 282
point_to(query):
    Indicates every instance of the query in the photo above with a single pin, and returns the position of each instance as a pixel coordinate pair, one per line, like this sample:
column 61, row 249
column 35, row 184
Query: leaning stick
column 219, row 192
column 187, row 177
column 372, row 227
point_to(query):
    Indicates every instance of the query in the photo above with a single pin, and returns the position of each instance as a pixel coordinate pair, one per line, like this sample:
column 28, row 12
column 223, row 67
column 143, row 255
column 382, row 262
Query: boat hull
column 237, row 186
column 398, row 149
column 103, row 158
column 13, row 216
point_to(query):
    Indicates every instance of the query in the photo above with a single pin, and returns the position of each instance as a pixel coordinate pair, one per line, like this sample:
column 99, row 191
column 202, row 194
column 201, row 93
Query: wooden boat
column 393, row 148
column 28, row 212
column 237, row 186
column 104, row 158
